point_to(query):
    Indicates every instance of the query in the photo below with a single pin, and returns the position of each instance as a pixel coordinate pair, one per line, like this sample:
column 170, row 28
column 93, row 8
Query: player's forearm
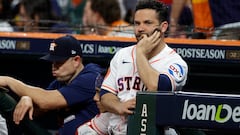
column 44, row 99
column 148, row 75
column 110, row 103
column 14, row 85
column 17, row 86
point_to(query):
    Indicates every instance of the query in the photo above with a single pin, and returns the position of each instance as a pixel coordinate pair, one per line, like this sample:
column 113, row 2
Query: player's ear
column 164, row 26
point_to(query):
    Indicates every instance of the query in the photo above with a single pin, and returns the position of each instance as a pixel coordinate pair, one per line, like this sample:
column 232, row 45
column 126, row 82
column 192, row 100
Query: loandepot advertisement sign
column 199, row 110
column 221, row 113
column 184, row 110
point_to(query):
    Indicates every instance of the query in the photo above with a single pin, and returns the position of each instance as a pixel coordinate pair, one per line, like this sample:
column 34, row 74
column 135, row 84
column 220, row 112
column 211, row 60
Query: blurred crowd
column 197, row 19
column 66, row 16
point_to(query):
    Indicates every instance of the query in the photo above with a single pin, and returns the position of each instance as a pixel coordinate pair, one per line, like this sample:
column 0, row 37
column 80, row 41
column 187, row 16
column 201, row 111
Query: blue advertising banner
column 208, row 53
column 38, row 46
column 191, row 50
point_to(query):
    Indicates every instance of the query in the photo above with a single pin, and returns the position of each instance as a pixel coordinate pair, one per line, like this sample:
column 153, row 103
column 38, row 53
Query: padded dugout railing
column 191, row 110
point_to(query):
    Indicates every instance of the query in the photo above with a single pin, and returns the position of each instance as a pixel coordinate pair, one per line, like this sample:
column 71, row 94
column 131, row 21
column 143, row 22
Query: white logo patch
column 73, row 52
column 176, row 71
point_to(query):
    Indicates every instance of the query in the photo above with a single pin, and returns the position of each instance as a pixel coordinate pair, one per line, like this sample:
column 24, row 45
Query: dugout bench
column 186, row 111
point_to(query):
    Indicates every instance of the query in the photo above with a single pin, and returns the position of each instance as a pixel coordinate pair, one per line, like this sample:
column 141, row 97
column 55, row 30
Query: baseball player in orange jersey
column 150, row 65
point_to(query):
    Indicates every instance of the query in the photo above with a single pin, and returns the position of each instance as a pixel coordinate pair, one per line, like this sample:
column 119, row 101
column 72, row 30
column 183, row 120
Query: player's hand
column 3, row 81
column 101, row 107
column 24, row 105
column 148, row 43
column 126, row 108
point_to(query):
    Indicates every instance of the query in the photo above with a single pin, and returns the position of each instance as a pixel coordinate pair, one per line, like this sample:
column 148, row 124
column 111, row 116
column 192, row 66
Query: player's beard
column 139, row 36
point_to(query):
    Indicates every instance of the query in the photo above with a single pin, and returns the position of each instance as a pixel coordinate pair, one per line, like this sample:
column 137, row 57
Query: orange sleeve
column 202, row 15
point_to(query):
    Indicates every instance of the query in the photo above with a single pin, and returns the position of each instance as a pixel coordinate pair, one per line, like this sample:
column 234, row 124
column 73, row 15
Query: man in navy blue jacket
column 71, row 93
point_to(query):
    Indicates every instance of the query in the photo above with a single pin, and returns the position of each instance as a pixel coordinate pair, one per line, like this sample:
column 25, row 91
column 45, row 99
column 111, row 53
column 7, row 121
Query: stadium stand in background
column 28, row 16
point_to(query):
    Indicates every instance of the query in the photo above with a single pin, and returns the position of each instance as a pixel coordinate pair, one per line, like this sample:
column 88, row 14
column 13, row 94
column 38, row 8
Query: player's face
column 145, row 22
column 65, row 70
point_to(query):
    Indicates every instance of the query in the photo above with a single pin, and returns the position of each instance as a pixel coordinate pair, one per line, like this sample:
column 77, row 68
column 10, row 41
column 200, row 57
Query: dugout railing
column 187, row 112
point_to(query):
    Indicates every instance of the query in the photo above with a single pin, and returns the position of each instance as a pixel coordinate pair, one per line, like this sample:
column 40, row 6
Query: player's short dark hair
column 156, row 5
